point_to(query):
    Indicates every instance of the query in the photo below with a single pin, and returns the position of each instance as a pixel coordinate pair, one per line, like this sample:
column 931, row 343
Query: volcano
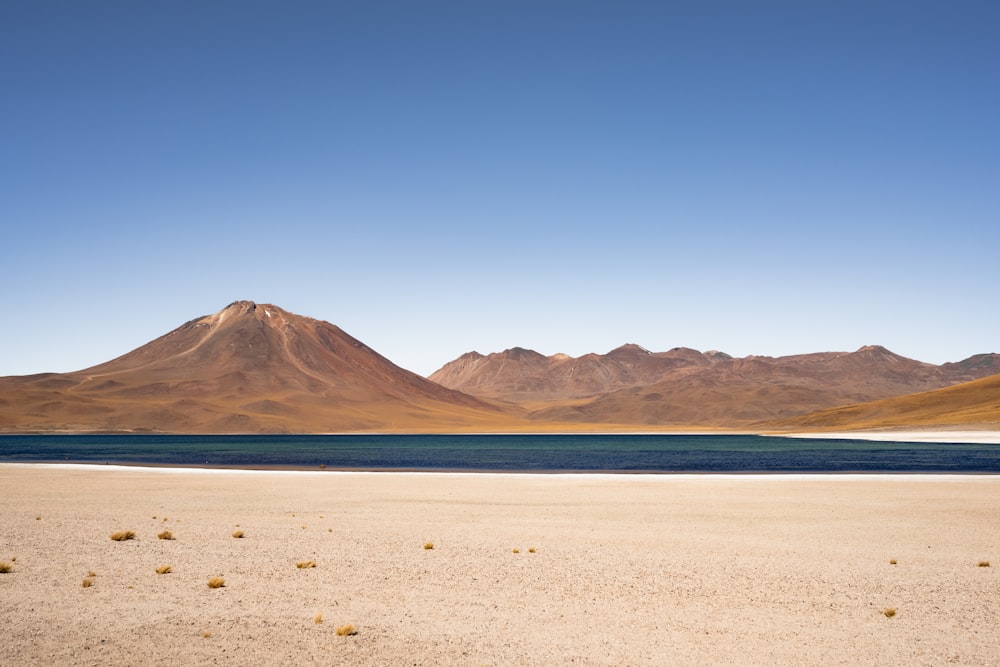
column 250, row 368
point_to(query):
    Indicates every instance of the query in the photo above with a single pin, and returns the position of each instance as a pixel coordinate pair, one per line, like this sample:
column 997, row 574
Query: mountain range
column 256, row 368
column 683, row 386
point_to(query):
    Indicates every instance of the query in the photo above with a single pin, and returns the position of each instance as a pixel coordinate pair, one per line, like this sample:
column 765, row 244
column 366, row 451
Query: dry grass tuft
column 206, row 635
column 87, row 583
column 6, row 567
column 428, row 545
column 516, row 550
column 237, row 534
column 305, row 564
column 890, row 612
column 122, row 535
column 91, row 574
column 531, row 550
column 38, row 518
column 165, row 535
column 216, row 582
column 318, row 618
column 164, row 569
column 983, row 563
column 892, row 561
column 347, row 630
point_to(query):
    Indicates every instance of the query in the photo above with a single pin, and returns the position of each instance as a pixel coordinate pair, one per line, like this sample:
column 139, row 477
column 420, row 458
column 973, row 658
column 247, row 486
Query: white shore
column 986, row 437
column 627, row 569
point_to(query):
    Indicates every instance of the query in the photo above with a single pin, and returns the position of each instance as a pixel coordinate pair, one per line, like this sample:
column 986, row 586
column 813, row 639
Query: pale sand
column 629, row 569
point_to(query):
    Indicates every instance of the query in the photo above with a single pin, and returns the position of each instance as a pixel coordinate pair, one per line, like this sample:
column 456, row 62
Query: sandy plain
column 626, row 569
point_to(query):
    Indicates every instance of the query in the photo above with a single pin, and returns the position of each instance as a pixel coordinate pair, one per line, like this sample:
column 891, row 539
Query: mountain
column 521, row 375
column 632, row 385
column 970, row 404
column 248, row 368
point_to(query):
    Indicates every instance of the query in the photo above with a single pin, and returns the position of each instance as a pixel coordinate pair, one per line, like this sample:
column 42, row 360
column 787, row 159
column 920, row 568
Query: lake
column 657, row 453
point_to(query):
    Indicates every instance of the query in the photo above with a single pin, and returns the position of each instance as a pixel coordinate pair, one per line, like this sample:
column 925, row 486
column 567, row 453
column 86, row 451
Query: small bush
column 164, row 569
column 318, row 618
column 890, row 612
column 122, row 535
column 206, row 635
column 165, row 535
column 892, row 561
column 87, row 583
column 983, row 563
column 428, row 545
column 347, row 630
column 305, row 564
column 6, row 567
column 237, row 534
column 517, row 551
column 38, row 518
column 216, row 582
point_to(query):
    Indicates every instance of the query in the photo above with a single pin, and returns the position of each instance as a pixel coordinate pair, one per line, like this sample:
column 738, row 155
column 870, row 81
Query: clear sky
column 438, row 177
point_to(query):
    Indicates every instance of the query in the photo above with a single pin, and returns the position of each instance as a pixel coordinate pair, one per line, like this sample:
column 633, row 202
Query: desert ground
column 524, row 569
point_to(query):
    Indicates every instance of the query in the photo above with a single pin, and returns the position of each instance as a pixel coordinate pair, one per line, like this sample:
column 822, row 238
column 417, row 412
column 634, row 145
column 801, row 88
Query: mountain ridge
column 256, row 368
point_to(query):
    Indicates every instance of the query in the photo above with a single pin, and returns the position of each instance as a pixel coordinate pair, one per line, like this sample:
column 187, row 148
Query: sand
column 627, row 569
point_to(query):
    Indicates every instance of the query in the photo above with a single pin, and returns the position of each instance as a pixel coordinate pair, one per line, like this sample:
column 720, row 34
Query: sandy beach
column 609, row 569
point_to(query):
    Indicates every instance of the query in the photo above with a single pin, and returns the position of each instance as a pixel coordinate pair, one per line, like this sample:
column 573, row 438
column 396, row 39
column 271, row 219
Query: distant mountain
column 970, row 404
column 248, row 368
column 631, row 385
column 255, row 368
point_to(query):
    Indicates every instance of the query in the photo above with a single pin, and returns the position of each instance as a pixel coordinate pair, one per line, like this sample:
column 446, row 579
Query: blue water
column 591, row 453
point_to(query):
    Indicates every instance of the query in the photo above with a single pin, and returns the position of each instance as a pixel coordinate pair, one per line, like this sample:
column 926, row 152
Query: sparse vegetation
column 6, row 567
column 318, row 618
column 428, row 545
column 347, row 630
column 206, row 635
column 122, row 535
column 516, row 550
column 237, row 534
column 983, row 563
column 91, row 574
column 892, row 561
column 164, row 569
column 531, row 550
column 165, row 535
column 216, row 582
column 87, row 583
column 890, row 612
column 305, row 564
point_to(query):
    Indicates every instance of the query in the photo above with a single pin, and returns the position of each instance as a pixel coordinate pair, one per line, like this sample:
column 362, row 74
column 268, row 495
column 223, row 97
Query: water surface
column 659, row 453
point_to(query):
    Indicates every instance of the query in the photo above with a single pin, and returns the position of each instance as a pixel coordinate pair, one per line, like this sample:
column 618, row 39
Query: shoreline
column 591, row 474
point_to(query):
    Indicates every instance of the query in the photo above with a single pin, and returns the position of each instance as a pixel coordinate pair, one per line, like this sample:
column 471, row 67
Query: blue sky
column 760, row 178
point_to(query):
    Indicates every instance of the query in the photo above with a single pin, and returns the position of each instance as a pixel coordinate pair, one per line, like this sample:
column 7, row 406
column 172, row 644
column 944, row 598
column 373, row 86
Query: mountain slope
column 970, row 404
column 247, row 368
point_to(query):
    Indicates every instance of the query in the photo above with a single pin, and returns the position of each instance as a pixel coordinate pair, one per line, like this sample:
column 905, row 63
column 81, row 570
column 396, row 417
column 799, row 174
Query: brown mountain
column 248, row 368
column 970, row 404
column 686, row 387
